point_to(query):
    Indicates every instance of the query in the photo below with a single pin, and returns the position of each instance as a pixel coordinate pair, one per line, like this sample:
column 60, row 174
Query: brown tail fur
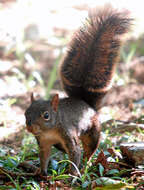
column 89, row 65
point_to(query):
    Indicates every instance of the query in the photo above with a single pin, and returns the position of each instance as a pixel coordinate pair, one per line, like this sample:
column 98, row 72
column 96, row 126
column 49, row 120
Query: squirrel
column 86, row 75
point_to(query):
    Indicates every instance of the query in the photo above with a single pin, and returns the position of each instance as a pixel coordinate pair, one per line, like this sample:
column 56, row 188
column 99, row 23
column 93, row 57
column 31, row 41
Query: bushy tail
column 89, row 65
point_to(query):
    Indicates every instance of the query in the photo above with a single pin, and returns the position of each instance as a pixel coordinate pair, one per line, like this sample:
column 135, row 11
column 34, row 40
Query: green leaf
column 85, row 184
column 110, row 184
column 73, row 165
column 32, row 185
column 64, row 176
column 54, row 172
column 120, row 186
column 101, row 169
column 113, row 171
column 106, row 181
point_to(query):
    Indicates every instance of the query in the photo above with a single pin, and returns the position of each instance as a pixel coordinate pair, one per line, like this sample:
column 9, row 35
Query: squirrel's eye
column 46, row 115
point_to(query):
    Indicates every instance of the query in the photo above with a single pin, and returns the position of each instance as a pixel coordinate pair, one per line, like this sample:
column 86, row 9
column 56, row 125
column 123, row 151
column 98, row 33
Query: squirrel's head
column 41, row 115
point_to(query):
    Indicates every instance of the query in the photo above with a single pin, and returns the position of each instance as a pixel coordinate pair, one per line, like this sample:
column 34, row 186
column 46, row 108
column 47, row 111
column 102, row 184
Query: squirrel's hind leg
column 90, row 140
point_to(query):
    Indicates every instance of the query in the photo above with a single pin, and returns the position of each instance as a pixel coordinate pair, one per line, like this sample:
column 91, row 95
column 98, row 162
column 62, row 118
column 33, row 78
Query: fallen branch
column 122, row 126
column 4, row 172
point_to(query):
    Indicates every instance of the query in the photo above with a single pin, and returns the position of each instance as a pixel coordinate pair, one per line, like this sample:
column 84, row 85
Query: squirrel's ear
column 55, row 102
column 32, row 97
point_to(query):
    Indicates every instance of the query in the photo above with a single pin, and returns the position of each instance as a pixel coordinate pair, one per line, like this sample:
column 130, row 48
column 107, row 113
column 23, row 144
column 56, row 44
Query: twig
column 5, row 172
column 122, row 126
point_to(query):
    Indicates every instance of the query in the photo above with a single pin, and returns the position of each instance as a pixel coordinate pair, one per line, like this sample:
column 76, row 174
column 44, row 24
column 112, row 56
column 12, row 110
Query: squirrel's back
column 89, row 65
